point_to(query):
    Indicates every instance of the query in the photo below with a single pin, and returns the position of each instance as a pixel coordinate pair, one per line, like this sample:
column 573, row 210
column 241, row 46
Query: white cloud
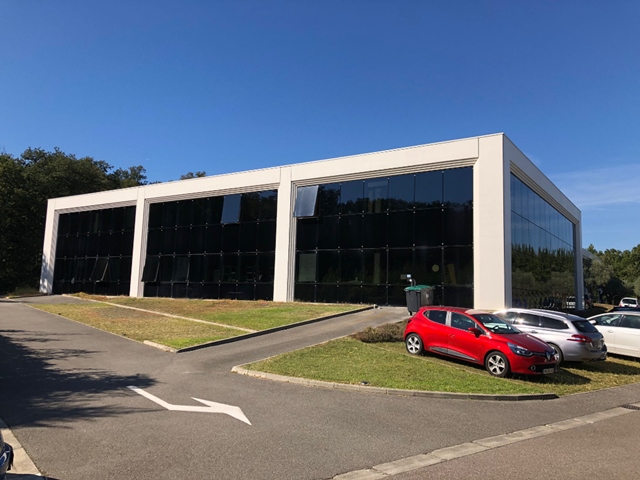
column 599, row 188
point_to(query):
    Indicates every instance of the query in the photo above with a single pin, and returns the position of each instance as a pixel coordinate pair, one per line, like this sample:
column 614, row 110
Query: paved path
column 65, row 396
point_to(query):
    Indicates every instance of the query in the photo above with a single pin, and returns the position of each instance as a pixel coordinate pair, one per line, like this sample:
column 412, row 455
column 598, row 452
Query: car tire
column 497, row 364
column 558, row 352
column 414, row 344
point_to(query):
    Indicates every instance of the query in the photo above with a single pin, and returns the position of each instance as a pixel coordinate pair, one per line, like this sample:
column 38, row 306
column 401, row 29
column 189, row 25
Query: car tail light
column 579, row 338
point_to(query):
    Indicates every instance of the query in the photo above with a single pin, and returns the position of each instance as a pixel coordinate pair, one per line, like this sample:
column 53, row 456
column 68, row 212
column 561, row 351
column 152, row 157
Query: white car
column 621, row 331
column 628, row 302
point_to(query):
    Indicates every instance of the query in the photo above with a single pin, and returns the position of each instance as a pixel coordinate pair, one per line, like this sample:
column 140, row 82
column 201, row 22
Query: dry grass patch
column 141, row 326
column 254, row 315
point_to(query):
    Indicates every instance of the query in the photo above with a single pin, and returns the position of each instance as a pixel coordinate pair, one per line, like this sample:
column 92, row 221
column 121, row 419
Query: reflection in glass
column 231, row 209
column 306, row 267
column 428, row 189
column 387, row 227
column 306, row 201
column 351, row 264
column 542, row 251
column 329, row 199
column 93, row 251
column 458, row 187
column 376, row 193
column 351, row 197
column 401, row 192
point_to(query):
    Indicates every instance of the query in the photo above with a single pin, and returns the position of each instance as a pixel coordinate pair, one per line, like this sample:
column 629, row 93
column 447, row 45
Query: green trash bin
column 418, row 296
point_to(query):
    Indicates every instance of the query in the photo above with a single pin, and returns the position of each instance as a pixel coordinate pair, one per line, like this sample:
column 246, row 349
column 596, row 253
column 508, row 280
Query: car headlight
column 518, row 350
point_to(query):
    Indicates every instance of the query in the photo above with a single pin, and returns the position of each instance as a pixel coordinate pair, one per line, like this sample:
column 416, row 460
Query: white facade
column 492, row 157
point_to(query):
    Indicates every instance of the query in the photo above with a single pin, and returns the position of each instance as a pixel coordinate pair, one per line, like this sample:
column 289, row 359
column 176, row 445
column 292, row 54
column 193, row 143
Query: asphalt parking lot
column 65, row 395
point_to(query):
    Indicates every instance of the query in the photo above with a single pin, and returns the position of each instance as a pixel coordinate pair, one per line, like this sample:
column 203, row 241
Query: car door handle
column 533, row 331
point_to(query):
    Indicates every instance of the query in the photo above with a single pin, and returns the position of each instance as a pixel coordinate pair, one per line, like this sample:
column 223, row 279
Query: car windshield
column 585, row 326
column 495, row 323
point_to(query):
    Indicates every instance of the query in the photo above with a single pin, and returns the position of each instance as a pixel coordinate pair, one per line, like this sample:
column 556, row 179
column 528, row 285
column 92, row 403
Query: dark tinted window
column 268, row 205
column 630, row 321
column 231, row 209
column 461, row 321
column 329, row 199
column 528, row 319
column 438, row 316
column 458, row 186
column 376, row 193
column 100, row 270
column 584, row 326
column 249, row 207
column 151, row 268
column 553, row 323
column 401, row 192
column 429, row 189
column 180, row 270
column 351, row 196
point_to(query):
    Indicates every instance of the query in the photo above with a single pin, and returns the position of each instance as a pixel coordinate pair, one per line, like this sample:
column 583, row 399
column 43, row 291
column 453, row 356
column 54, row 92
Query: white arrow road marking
column 212, row 407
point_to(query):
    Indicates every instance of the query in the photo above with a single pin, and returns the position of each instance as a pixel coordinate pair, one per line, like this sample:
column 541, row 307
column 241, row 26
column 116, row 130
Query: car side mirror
column 476, row 331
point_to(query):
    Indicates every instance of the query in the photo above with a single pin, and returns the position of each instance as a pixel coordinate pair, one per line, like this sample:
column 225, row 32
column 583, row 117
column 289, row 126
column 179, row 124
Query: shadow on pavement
column 34, row 392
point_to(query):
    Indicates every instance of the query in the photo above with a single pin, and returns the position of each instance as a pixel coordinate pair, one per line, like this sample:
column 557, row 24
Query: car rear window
column 584, row 326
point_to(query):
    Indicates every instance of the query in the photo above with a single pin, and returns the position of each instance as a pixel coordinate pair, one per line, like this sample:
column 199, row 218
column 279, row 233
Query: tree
column 189, row 175
column 615, row 270
column 26, row 183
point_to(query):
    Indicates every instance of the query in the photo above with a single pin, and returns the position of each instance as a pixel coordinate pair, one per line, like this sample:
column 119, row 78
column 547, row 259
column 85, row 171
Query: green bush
column 389, row 332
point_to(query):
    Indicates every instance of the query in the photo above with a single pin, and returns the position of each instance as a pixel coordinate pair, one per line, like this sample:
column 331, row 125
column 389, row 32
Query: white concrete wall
column 489, row 240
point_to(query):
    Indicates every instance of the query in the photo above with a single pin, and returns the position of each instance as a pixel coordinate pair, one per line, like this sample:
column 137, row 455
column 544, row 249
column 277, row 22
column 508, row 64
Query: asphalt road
column 64, row 393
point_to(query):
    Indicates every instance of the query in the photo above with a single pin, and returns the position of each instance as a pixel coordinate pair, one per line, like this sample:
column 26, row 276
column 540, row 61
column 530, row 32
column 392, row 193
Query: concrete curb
column 239, row 369
column 22, row 463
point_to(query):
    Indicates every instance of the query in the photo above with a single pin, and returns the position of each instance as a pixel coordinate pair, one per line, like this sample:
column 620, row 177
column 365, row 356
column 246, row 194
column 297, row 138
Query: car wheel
column 414, row 345
column 497, row 364
column 558, row 352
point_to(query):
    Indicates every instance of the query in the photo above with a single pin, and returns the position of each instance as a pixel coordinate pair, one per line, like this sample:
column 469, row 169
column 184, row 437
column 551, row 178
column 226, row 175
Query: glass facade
column 542, row 247
column 364, row 234
column 94, row 251
column 215, row 247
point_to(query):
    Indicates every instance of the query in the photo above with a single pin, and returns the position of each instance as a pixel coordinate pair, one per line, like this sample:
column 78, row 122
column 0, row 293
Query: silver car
column 573, row 338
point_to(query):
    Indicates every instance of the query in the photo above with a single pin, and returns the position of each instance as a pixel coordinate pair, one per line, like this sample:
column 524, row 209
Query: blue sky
column 223, row 86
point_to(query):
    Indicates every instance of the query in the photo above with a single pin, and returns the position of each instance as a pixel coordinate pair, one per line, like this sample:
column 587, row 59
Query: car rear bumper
column 585, row 355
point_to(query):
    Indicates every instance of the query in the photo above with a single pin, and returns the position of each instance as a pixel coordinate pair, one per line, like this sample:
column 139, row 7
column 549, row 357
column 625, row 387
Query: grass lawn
column 387, row 365
column 178, row 333
column 254, row 315
column 141, row 326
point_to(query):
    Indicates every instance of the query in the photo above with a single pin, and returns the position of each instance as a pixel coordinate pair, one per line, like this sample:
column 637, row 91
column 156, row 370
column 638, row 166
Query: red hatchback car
column 478, row 337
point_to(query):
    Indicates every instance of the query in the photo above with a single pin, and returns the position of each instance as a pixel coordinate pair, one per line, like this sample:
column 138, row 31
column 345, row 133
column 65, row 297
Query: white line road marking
column 212, row 407
column 387, row 470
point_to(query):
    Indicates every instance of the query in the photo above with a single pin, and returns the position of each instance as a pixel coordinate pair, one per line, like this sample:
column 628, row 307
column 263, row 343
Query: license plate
column 548, row 370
